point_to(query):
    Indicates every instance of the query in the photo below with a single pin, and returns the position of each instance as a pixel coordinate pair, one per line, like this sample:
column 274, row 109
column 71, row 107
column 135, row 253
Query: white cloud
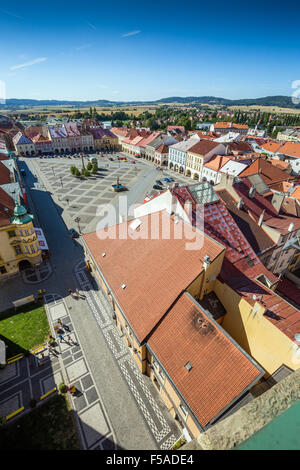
column 84, row 46
column 27, row 64
column 12, row 14
column 131, row 33
column 91, row 25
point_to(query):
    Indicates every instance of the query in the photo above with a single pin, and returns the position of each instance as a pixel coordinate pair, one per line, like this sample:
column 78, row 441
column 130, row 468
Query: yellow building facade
column 255, row 333
column 19, row 246
column 194, row 164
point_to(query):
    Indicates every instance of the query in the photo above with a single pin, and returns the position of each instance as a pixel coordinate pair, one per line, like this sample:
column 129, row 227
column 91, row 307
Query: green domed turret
column 20, row 215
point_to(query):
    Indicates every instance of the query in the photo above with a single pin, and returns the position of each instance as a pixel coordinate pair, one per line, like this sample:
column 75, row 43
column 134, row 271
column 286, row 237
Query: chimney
column 252, row 191
column 291, row 226
column 240, row 203
column 206, row 261
column 261, row 218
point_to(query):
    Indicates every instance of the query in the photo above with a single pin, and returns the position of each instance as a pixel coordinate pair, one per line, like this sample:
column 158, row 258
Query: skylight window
column 188, row 366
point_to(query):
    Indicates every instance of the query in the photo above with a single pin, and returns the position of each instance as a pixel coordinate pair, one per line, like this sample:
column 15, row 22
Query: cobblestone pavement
column 81, row 197
column 34, row 276
column 92, row 419
column 38, row 374
column 163, row 428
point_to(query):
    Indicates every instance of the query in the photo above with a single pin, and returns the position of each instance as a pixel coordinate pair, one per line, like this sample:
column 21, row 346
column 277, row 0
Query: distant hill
column 280, row 101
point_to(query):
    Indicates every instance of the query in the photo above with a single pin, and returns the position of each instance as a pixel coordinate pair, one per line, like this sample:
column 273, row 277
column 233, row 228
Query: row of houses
column 219, row 327
column 64, row 138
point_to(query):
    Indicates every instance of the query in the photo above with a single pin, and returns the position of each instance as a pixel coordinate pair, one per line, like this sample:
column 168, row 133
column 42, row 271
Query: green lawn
column 24, row 329
column 47, row 427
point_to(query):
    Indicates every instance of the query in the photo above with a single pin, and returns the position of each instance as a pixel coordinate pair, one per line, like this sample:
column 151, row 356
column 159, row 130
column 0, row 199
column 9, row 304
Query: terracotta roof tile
column 4, row 174
column 157, row 269
column 220, row 370
column 291, row 149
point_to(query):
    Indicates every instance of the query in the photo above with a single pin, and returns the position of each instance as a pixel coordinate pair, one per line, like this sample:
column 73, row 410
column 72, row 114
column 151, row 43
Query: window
column 183, row 410
column 21, row 232
column 32, row 248
column 162, row 374
column 3, row 270
column 11, row 233
column 18, row 249
column 26, row 233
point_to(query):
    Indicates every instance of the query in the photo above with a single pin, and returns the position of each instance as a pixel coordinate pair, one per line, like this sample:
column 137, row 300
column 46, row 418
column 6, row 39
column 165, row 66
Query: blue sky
column 136, row 50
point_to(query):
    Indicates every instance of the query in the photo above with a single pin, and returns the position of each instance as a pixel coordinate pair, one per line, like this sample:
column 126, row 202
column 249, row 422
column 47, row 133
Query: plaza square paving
column 97, row 360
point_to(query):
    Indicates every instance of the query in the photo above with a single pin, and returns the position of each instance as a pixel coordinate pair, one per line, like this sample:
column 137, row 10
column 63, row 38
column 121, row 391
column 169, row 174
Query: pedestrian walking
column 77, row 293
column 61, row 337
column 71, row 292
column 59, row 322
column 69, row 339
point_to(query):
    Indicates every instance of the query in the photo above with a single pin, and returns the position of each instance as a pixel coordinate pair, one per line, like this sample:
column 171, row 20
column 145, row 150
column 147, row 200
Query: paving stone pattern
column 92, row 419
column 84, row 196
column 163, row 428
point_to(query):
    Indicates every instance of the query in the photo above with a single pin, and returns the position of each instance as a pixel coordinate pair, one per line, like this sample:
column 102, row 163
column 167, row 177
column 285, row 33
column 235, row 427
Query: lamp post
column 61, row 181
column 82, row 161
column 67, row 201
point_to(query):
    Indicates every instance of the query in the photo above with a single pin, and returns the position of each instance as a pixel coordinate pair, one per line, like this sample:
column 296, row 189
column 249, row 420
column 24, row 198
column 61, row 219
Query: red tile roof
column 152, row 268
column 173, row 128
column 257, row 204
column 269, row 173
column 203, row 147
column 222, row 125
column 241, row 266
column 6, row 202
column 217, row 162
column 291, row 149
column 289, row 290
column 4, row 174
column 220, row 370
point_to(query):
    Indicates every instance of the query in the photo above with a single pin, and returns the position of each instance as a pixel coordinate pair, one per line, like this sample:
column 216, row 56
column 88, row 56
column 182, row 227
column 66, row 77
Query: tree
column 89, row 166
column 86, row 173
column 94, row 169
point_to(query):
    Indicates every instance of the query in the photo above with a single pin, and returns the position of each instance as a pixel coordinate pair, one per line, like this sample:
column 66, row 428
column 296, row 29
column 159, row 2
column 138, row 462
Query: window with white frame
column 183, row 410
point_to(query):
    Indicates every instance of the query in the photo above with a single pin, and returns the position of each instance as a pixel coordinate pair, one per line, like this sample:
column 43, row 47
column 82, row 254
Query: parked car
column 111, row 159
column 73, row 233
column 167, row 180
column 159, row 182
column 132, row 161
column 156, row 186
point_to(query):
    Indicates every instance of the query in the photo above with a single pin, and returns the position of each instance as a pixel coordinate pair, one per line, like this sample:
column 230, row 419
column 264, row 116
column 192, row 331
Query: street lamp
column 67, row 201
column 82, row 161
column 61, row 182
